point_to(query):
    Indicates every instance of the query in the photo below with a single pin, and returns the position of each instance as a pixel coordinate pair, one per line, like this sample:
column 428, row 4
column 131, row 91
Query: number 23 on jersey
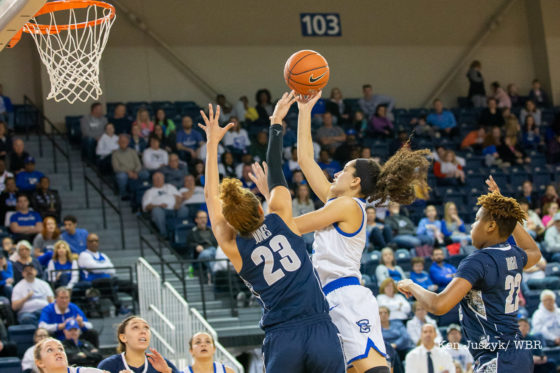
column 289, row 260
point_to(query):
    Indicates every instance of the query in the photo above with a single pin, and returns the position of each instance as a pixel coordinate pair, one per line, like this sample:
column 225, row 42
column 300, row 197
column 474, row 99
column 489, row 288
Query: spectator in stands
column 477, row 92
column 154, row 157
column 46, row 201
column 539, row 95
column 137, row 142
column 226, row 168
column 163, row 200
column 226, row 110
column 394, row 331
column 421, row 128
column 4, row 174
column 360, row 123
column 552, row 237
column 327, row 164
column 18, row 156
column 8, row 246
column 56, row 316
column 201, row 243
column 24, row 223
column 244, row 111
column 62, row 269
column 370, row 102
column 236, row 140
column 134, row 336
column 8, row 199
column 167, row 142
column 106, row 145
column 492, row 143
column 459, row 352
column 120, row 119
column 289, row 137
column 377, row 234
column 414, row 325
column 166, row 123
column 531, row 138
column 337, row 107
column 264, row 106
column 404, row 230
column 198, row 171
column 549, row 209
column 421, row 277
column 79, row 351
column 430, row 225
column 259, row 147
column 188, row 140
column 43, row 244
column 291, row 165
column 449, row 171
column 542, row 363
column 76, row 237
column 143, row 121
column 379, row 125
column 28, row 179
column 501, row 96
column 30, row 296
column 303, row 204
column 452, row 225
column 329, row 135
column 28, row 360
column 491, row 116
column 429, row 357
column 512, row 127
column 546, row 319
column 513, row 93
column 553, row 142
column 5, row 141
column 390, row 298
column 94, row 264
column 6, row 276
column 550, row 195
column 175, row 171
column 127, row 167
column 6, row 108
column 442, row 120
column 531, row 110
column 191, row 194
column 23, row 258
column 441, row 273
column 92, row 127
column 388, row 268
column 246, row 180
column 533, row 224
column 527, row 193
column 511, row 152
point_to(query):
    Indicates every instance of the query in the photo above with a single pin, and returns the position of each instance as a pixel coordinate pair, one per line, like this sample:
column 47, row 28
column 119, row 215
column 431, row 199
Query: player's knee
column 378, row 370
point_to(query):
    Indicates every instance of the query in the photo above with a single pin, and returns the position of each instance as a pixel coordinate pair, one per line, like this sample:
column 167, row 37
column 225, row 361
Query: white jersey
column 337, row 254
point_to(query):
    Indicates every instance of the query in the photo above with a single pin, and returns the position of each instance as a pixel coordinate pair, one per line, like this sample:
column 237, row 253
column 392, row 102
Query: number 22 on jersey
column 513, row 284
column 289, row 260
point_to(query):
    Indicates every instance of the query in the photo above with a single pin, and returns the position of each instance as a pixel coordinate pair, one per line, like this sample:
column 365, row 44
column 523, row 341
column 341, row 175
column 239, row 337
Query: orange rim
column 56, row 6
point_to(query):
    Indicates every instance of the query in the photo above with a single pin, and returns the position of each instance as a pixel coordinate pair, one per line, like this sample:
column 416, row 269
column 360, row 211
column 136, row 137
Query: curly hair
column 398, row 176
column 505, row 211
column 240, row 207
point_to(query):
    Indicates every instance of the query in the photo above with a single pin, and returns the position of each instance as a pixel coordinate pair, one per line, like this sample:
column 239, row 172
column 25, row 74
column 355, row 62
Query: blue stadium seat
column 380, row 150
column 417, row 112
column 456, row 259
column 25, row 117
column 111, row 108
column 463, row 102
column 352, row 103
column 132, row 107
column 552, row 353
column 169, row 108
column 517, row 176
column 552, row 269
column 369, row 262
column 538, row 160
column 500, row 177
column 180, row 234
column 552, row 283
column 532, row 299
column 547, row 116
column 10, row 365
column 402, row 257
column 541, row 177
column 22, row 335
column 73, row 130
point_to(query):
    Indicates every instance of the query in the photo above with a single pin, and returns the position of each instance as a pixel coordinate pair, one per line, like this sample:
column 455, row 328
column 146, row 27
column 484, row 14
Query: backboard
column 13, row 15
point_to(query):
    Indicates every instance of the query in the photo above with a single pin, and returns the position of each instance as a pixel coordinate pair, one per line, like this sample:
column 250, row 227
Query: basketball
column 306, row 72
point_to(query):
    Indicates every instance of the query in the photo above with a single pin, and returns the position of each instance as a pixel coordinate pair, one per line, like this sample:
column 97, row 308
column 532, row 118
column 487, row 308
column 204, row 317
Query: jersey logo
column 313, row 80
column 364, row 325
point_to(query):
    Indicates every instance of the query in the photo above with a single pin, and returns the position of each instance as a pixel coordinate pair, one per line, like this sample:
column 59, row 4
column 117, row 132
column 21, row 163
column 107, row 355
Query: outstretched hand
column 404, row 287
column 214, row 133
column 259, row 176
column 306, row 103
column 492, row 185
column 282, row 107
column 157, row 361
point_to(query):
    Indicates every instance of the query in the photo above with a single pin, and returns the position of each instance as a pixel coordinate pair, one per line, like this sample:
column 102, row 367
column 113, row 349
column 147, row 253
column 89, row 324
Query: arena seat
column 132, row 107
column 10, row 365
column 369, row 262
column 552, row 269
column 552, row 283
column 22, row 335
column 402, row 256
column 541, row 177
column 180, row 232
column 73, row 130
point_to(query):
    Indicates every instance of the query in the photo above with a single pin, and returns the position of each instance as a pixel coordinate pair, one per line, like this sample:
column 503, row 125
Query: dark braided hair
column 505, row 211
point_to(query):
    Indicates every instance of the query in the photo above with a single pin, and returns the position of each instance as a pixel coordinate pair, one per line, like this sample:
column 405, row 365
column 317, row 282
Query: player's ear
column 492, row 226
column 356, row 181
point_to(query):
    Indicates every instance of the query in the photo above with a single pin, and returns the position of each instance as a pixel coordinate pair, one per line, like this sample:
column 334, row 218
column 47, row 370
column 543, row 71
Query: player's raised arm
column 313, row 173
column 225, row 235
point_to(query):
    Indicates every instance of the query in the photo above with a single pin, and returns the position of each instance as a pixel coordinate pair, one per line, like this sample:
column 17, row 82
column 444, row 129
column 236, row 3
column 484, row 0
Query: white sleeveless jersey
column 338, row 254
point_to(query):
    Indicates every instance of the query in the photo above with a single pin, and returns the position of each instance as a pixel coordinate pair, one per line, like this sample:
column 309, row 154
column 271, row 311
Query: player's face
column 137, row 334
column 52, row 356
column 344, row 180
column 478, row 230
column 202, row 346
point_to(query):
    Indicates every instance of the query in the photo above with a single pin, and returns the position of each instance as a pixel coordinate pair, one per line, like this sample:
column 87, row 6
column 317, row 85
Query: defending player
column 487, row 285
column 340, row 236
column 270, row 255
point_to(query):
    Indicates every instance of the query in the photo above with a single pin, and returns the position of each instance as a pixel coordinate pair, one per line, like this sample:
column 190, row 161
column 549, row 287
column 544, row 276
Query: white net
column 72, row 53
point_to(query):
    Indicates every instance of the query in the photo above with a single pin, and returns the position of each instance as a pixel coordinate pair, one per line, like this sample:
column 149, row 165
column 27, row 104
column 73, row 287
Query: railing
column 64, row 150
column 172, row 321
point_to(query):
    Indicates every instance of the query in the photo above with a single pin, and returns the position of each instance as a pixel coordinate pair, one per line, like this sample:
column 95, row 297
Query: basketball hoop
column 70, row 36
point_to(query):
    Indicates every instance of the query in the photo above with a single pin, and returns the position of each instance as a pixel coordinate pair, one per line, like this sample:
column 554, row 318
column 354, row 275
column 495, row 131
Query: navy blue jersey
column 489, row 311
column 277, row 269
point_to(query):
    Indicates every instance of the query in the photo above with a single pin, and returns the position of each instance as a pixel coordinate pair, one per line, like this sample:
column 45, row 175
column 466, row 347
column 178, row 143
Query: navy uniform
column 299, row 334
column 489, row 311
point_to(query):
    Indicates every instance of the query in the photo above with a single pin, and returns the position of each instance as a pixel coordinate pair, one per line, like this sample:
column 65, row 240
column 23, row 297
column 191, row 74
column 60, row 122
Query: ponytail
column 240, row 207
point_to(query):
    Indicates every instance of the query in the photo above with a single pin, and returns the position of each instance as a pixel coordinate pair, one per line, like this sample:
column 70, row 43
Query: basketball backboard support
column 13, row 15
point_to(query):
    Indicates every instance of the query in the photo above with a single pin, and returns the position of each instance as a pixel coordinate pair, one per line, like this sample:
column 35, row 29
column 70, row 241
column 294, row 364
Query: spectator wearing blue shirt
column 76, row 237
column 441, row 273
column 419, row 276
column 188, row 140
column 327, row 164
column 443, row 120
column 394, row 332
column 290, row 137
column 6, row 109
column 6, row 276
column 25, row 224
column 28, row 179
column 430, row 226
column 542, row 362
column 56, row 315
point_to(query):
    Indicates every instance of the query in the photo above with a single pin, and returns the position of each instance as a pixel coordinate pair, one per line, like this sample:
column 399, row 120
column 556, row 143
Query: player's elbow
column 440, row 307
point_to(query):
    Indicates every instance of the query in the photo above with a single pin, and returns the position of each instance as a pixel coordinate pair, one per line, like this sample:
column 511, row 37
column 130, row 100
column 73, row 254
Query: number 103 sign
column 320, row 24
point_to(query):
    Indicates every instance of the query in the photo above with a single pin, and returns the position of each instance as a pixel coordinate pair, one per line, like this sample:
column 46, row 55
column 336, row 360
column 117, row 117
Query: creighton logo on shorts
column 364, row 325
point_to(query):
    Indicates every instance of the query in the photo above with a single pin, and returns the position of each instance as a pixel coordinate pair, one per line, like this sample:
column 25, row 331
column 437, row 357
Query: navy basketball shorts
column 310, row 345
column 505, row 361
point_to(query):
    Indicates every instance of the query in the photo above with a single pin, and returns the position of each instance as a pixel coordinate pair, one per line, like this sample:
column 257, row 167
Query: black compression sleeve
column 274, row 158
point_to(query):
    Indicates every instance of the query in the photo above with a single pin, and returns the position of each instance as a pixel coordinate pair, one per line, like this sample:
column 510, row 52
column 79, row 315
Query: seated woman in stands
column 133, row 335
column 452, row 225
column 51, row 358
column 202, row 349
column 62, row 260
